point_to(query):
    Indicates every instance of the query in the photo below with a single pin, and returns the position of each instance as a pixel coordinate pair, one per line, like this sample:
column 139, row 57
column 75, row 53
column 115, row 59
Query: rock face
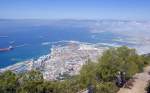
column 65, row 60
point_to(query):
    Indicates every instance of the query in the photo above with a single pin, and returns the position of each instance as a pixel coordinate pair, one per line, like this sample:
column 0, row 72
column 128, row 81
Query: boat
column 12, row 42
column 6, row 49
column 3, row 36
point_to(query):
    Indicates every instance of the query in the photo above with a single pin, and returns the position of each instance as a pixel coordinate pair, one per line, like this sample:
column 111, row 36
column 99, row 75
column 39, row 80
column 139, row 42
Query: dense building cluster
column 68, row 60
column 65, row 60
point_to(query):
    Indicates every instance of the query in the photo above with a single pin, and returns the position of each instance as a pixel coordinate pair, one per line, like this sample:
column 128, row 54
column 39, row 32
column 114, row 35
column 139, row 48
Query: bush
column 100, row 75
column 106, row 87
column 119, row 59
column 8, row 82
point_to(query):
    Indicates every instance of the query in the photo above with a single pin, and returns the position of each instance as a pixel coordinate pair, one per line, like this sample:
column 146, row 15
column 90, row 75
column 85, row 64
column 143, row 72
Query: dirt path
column 141, row 80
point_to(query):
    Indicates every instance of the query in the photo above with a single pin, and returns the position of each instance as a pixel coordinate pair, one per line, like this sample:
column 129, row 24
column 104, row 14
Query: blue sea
column 32, row 39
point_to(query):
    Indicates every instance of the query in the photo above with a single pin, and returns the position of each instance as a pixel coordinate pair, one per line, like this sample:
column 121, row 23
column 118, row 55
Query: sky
column 75, row 9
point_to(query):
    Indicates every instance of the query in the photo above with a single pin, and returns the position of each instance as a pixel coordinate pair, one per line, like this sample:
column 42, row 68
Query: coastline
column 67, row 58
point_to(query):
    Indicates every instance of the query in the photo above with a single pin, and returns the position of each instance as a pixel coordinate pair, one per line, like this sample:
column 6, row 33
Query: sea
column 32, row 39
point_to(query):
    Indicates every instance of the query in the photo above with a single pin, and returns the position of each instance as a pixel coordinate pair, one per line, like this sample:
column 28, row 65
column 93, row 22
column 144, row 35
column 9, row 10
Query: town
column 64, row 60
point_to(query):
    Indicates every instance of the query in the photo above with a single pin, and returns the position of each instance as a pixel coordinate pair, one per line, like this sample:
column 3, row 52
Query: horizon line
column 98, row 19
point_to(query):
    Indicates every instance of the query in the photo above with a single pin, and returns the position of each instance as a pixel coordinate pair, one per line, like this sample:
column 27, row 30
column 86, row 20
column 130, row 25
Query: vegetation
column 100, row 75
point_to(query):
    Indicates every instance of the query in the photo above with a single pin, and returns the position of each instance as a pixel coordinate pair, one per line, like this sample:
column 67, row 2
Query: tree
column 31, row 82
column 88, row 74
column 121, row 59
column 8, row 82
column 100, row 75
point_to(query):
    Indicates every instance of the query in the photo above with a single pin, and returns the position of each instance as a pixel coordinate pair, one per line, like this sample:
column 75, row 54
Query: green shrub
column 106, row 87
column 100, row 75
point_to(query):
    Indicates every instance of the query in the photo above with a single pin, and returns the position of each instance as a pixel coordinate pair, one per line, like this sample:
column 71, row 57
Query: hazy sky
column 75, row 9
